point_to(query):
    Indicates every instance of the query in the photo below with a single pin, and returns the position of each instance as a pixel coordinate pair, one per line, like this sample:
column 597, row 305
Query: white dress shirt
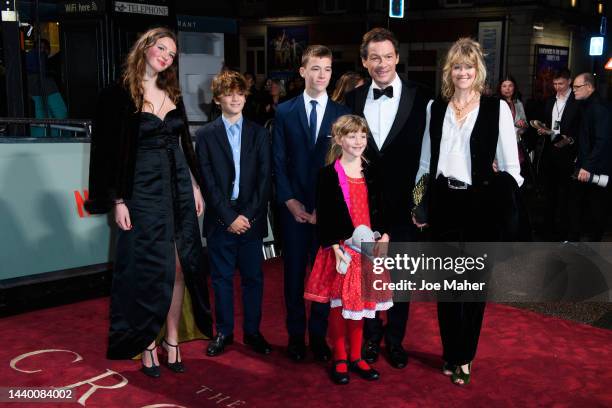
column 380, row 113
column 557, row 112
column 455, row 158
column 321, row 104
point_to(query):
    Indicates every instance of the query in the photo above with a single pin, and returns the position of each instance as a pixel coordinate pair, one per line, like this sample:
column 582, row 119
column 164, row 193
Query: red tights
column 339, row 328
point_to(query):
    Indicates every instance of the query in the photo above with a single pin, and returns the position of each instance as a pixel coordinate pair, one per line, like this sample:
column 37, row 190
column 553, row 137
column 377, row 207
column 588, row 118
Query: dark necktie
column 380, row 92
column 312, row 121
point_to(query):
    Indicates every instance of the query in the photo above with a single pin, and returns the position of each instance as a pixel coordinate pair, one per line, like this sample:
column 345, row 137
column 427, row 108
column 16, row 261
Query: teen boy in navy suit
column 234, row 155
column 301, row 139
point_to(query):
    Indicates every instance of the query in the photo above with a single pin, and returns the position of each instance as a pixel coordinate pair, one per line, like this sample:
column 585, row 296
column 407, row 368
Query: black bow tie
column 380, row 92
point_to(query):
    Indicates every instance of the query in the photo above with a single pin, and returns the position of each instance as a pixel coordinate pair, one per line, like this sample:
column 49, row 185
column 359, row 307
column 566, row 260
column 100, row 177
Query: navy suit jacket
column 217, row 167
column 296, row 158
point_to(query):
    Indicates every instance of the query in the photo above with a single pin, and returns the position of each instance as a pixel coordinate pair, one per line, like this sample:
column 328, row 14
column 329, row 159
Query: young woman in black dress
column 143, row 167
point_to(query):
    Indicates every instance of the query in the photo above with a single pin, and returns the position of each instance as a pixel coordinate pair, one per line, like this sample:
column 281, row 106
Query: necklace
column 459, row 109
column 162, row 104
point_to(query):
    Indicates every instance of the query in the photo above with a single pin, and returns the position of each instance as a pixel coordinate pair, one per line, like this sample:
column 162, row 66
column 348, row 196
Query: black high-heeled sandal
column 460, row 377
column 177, row 366
column 448, row 369
column 152, row 371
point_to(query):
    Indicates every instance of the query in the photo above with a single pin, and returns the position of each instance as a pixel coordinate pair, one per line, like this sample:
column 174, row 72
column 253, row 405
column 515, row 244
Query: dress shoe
column 258, row 343
column 218, row 343
column 152, row 371
column 371, row 350
column 320, row 349
column 177, row 366
column 397, row 356
column 369, row 374
column 296, row 348
column 338, row 377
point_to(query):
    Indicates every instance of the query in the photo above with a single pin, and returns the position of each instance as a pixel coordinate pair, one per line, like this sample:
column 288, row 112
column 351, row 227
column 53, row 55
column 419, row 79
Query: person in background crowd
column 508, row 91
column 48, row 102
column 346, row 83
column 144, row 169
column 253, row 99
column 300, row 143
column 562, row 114
column 590, row 203
column 270, row 102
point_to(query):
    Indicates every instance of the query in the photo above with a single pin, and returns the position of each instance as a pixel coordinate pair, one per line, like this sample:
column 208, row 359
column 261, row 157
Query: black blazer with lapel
column 570, row 122
column 217, row 168
column 397, row 162
column 334, row 222
column 297, row 158
column 114, row 143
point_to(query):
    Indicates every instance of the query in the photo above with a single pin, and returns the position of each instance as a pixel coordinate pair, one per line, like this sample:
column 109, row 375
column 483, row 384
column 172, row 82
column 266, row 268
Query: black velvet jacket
column 114, row 143
column 333, row 219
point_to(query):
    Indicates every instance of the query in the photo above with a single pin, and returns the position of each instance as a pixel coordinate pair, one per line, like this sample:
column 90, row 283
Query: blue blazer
column 296, row 158
column 217, row 168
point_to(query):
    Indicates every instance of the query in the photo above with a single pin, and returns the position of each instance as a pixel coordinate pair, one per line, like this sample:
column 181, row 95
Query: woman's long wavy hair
column 464, row 51
column 135, row 67
column 344, row 125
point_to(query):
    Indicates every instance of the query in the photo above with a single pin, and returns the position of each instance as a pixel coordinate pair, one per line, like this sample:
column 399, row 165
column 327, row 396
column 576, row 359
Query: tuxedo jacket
column 570, row 122
column 114, row 143
column 595, row 136
column 296, row 157
column 334, row 222
column 397, row 161
column 217, row 168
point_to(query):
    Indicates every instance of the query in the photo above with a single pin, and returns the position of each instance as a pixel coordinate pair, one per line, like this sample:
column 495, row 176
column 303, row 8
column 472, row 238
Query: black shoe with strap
column 369, row 374
column 338, row 377
column 152, row 371
column 177, row 366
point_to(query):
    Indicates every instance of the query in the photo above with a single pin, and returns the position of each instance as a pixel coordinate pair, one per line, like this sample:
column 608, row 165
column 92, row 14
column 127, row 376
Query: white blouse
column 455, row 158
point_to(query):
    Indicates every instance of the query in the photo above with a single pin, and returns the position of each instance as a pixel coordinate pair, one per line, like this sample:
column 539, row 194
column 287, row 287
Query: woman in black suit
column 468, row 197
column 143, row 168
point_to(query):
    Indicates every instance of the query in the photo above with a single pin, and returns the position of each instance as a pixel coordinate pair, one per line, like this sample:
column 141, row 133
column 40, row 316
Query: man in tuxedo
column 395, row 110
column 558, row 155
column 591, row 202
column 301, row 139
column 234, row 155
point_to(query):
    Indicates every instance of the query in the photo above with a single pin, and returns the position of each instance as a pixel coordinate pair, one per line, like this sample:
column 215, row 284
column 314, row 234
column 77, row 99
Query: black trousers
column 461, row 216
column 226, row 251
column 589, row 211
column 397, row 315
column 556, row 177
column 299, row 249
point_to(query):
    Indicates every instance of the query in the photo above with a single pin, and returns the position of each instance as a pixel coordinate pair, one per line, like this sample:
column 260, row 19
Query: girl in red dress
column 347, row 197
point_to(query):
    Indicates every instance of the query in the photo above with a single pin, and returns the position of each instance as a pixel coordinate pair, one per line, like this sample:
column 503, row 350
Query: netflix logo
column 80, row 202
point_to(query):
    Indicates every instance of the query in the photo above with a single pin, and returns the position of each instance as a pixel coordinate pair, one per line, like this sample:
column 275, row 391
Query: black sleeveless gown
column 163, row 216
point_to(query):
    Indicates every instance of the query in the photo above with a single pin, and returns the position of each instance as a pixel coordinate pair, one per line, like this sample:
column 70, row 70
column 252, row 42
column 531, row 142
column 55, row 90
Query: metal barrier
column 74, row 126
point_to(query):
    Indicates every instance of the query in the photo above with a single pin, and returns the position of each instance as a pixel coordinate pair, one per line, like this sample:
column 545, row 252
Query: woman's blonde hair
column 135, row 67
column 344, row 125
column 464, row 51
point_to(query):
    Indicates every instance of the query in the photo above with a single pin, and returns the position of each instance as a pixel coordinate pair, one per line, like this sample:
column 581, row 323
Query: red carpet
column 524, row 360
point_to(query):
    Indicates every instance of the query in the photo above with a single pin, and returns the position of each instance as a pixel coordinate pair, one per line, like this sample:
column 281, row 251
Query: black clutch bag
column 420, row 199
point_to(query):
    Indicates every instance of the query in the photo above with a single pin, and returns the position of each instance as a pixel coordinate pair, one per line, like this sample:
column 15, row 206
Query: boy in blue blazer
column 234, row 155
column 301, row 139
